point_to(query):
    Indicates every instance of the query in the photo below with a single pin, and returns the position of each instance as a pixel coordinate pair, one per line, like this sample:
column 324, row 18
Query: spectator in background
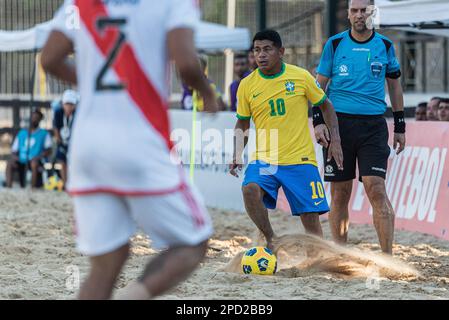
column 186, row 101
column 56, row 104
column 62, row 127
column 421, row 112
column 443, row 110
column 196, row 97
column 29, row 154
column 252, row 60
column 432, row 109
column 241, row 71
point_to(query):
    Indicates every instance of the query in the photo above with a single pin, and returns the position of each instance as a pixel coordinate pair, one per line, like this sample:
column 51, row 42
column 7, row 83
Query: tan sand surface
column 38, row 259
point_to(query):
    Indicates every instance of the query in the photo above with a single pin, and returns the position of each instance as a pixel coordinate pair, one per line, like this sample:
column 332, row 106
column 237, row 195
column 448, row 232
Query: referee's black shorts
column 364, row 140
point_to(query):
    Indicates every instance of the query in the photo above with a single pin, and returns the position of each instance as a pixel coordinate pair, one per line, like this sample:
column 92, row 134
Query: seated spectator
column 443, row 110
column 421, row 112
column 432, row 109
column 29, row 155
column 198, row 100
column 241, row 71
column 62, row 127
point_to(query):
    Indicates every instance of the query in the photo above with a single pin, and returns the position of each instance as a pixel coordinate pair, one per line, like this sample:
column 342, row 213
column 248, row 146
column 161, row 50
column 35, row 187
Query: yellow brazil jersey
column 278, row 105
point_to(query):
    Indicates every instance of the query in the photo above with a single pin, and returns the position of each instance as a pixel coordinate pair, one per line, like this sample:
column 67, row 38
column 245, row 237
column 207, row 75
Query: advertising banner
column 417, row 180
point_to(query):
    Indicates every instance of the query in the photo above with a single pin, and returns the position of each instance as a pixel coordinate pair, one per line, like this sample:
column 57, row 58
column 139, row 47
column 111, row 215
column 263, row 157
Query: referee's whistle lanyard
column 65, row 131
column 68, row 121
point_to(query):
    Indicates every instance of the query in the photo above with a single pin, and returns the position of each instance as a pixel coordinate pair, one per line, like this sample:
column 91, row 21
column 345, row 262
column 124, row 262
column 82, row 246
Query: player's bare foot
column 274, row 244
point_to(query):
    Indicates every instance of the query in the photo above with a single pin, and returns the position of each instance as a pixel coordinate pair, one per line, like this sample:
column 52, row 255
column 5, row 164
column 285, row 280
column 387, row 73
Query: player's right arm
column 181, row 22
column 59, row 46
column 241, row 131
column 319, row 100
column 182, row 51
column 54, row 57
column 241, row 135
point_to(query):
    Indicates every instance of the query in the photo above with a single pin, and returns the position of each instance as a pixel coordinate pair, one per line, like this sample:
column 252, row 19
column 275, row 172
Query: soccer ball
column 259, row 260
column 54, row 183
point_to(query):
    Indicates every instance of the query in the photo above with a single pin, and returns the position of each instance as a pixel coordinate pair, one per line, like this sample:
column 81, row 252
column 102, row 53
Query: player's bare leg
column 339, row 214
column 10, row 167
column 103, row 274
column 383, row 213
column 165, row 271
column 63, row 172
column 312, row 224
column 253, row 197
column 34, row 173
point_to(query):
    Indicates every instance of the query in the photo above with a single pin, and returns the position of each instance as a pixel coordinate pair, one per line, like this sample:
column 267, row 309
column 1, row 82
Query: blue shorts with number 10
column 301, row 183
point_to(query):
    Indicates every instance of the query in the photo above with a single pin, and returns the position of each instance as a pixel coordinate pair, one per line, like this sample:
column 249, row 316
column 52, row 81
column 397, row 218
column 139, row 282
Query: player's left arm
column 330, row 117
column 393, row 75
column 319, row 100
column 54, row 57
column 322, row 134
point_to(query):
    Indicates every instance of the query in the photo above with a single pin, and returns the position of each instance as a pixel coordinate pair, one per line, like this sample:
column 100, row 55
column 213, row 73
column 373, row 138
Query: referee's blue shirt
column 358, row 71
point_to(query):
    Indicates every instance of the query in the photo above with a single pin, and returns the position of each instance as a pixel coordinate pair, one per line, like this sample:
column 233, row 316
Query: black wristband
column 317, row 117
column 399, row 122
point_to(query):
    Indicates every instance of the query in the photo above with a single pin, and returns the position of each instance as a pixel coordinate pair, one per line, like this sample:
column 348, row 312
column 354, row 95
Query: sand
column 39, row 259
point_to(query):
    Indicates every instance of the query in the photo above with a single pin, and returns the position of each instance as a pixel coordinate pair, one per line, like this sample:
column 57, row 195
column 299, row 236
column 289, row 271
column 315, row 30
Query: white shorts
column 105, row 222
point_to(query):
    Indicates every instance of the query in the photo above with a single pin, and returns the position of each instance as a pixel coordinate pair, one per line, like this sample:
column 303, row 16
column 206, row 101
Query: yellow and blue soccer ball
column 54, row 183
column 260, row 261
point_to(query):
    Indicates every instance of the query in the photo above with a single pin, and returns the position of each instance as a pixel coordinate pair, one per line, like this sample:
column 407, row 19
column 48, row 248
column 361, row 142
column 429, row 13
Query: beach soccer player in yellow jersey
column 276, row 97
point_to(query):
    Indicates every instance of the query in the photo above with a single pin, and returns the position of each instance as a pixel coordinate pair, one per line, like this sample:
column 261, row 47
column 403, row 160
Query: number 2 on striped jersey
column 103, row 23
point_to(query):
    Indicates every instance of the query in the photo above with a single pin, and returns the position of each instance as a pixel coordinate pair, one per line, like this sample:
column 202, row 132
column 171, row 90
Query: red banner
column 417, row 182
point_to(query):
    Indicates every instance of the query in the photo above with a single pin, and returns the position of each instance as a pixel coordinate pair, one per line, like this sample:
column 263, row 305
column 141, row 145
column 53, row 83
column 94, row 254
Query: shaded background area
column 304, row 25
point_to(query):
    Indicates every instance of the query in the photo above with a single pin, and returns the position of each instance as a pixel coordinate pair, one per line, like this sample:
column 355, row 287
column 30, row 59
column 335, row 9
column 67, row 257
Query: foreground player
column 275, row 96
column 120, row 172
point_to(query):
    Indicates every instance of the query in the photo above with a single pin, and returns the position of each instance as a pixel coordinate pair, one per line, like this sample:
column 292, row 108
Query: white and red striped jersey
column 121, row 134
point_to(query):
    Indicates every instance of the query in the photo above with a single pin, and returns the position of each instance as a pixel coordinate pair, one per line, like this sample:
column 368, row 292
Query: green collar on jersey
column 274, row 76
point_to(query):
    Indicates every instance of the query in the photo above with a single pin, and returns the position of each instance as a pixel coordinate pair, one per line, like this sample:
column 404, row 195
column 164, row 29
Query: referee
column 358, row 62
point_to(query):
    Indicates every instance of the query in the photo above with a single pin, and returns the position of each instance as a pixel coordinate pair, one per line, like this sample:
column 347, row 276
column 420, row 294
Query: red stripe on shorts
column 124, row 193
column 197, row 214
column 127, row 68
column 198, row 217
